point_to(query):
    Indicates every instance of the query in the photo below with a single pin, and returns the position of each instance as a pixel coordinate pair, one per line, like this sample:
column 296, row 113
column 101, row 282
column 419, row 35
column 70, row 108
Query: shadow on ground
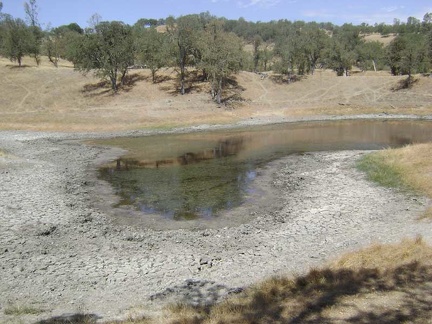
column 404, row 84
column 196, row 293
column 71, row 319
column 97, row 89
column 329, row 296
column 104, row 87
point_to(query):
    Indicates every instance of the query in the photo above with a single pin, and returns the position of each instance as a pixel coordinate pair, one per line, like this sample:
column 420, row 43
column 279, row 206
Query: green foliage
column 340, row 59
column 257, row 41
column 300, row 47
column 370, row 55
column 152, row 49
column 221, row 56
column 74, row 27
column 429, row 45
column 108, row 51
column 394, row 54
column 144, row 23
column 408, row 54
column 17, row 39
column 380, row 172
column 183, row 33
column 61, row 42
column 265, row 56
column 342, row 53
column 31, row 11
column 315, row 41
column 289, row 51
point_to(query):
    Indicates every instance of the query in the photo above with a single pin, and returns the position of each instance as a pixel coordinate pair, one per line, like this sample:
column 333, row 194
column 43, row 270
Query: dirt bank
column 62, row 254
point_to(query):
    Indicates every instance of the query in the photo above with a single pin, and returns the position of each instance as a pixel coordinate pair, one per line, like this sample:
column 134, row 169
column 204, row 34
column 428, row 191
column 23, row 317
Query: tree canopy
column 152, row 48
column 221, row 56
column 109, row 51
column 17, row 39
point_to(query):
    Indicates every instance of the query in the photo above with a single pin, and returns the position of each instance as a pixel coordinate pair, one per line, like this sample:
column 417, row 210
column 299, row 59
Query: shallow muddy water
column 197, row 175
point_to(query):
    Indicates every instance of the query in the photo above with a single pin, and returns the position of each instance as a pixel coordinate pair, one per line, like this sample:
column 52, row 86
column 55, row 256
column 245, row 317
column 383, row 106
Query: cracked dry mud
column 61, row 253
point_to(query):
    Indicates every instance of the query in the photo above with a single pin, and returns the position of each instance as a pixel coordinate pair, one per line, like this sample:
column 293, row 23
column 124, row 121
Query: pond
column 197, row 175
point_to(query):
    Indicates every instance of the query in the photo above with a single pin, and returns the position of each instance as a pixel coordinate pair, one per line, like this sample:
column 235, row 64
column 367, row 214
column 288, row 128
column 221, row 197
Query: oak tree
column 31, row 10
column 151, row 49
column 17, row 39
column 183, row 33
column 109, row 51
column 222, row 55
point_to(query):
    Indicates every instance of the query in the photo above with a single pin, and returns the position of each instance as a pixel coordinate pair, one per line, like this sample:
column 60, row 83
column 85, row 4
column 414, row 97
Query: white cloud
column 390, row 9
column 319, row 14
column 261, row 3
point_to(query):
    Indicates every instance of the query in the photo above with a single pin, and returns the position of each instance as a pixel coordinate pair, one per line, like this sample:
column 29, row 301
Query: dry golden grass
column 384, row 257
column 409, row 167
column 380, row 38
column 380, row 284
column 46, row 98
column 18, row 310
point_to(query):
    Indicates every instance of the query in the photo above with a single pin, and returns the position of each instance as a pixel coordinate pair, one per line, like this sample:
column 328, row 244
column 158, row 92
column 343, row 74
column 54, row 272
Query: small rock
column 204, row 260
column 47, row 230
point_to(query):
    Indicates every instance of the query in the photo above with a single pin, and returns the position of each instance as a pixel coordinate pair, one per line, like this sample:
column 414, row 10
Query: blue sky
column 59, row 12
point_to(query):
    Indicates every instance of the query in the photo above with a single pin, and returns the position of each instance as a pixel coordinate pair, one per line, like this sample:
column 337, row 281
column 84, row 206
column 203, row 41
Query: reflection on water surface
column 197, row 175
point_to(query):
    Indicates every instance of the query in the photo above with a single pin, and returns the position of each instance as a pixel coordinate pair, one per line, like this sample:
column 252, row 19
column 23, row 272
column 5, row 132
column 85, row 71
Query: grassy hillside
column 46, row 98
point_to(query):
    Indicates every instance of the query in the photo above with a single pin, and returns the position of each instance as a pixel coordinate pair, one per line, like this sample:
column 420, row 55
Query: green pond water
column 200, row 174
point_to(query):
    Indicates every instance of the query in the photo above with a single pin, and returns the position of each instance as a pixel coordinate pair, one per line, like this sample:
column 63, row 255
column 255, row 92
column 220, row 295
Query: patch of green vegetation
column 381, row 172
column 18, row 310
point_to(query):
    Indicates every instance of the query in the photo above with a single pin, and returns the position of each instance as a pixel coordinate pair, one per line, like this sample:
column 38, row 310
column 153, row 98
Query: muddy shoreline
column 63, row 253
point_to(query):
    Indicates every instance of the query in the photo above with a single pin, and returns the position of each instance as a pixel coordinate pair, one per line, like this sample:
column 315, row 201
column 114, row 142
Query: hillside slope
column 48, row 98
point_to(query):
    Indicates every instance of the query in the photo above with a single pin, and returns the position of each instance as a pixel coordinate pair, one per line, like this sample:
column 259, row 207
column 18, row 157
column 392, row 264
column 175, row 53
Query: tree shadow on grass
column 404, row 84
column 308, row 299
column 160, row 79
column 285, row 79
column 97, row 89
column 71, row 319
column 104, row 87
column 131, row 80
column 14, row 66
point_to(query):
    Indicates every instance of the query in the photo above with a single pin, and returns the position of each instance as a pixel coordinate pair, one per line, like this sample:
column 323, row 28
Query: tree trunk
column 114, row 84
column 123, row 76
column 37, row 59
column 113, row 78
column 312, row 64
column 19, row 61
column 219, row 92
column 374, row 65
column 53, row 60
column 182, row 69
column 182, row 77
